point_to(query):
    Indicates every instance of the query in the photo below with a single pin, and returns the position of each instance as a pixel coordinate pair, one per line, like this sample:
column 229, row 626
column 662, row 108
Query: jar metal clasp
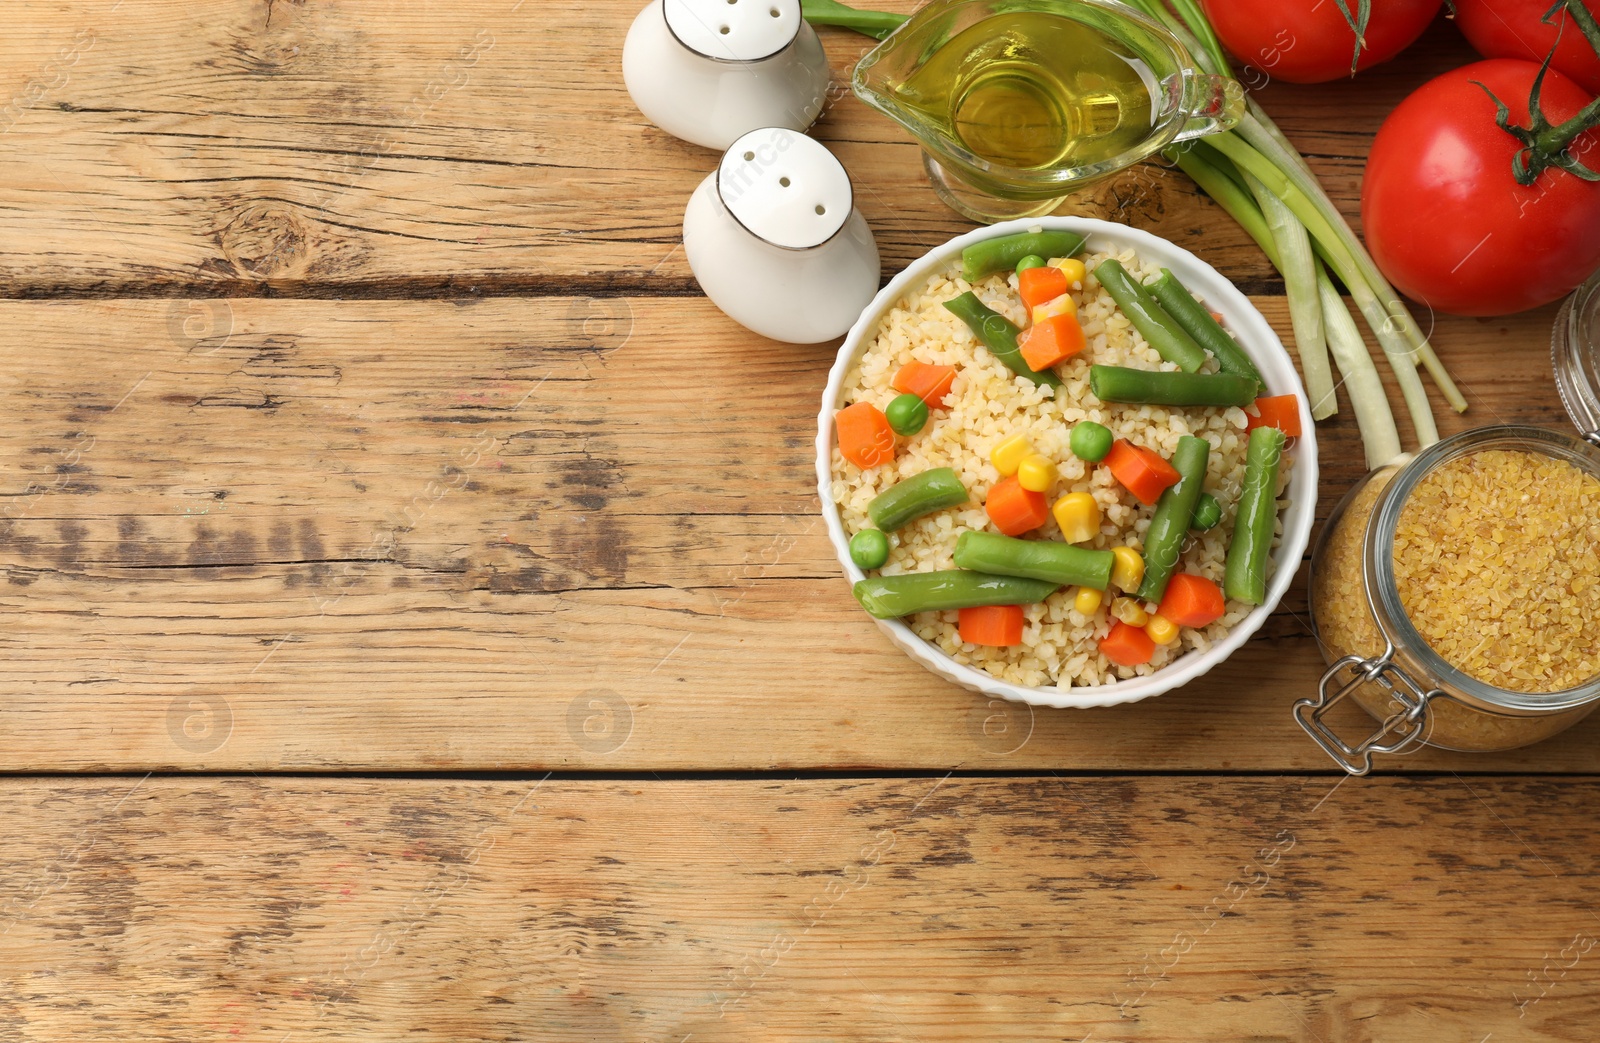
column 1408, row 725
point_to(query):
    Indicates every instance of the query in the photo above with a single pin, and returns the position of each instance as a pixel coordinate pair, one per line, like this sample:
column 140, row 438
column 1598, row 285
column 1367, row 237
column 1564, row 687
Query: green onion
column 1259, row 148
column 1390, row 337
column 1195, row 19
column 1265, row 134
column 876, row 24
column 1305, row 307
column 1379, row 437
column 1225, row 192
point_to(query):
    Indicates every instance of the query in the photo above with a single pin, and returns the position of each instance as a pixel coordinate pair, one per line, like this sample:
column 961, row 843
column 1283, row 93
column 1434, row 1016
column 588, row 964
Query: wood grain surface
column 527, row 534
column 359, row 413
column 458, row 146
column 1067, row 908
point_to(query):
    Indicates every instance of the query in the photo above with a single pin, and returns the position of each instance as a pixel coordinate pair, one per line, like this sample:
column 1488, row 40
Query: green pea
column 1091, row 441
column 1030, row 261
column 869, row 549
column 1207, row 513
column 907, row 413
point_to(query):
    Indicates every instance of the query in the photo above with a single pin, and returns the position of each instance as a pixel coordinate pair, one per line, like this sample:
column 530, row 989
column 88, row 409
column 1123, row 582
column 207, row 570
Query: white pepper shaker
column 775, row 240
column 708, row 71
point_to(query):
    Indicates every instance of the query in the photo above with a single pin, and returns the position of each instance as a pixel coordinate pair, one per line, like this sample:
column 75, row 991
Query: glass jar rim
column 1383, row 595
column 1575, row 357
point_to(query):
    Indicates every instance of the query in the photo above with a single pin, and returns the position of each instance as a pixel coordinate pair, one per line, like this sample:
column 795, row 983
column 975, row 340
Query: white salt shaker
column 775, row 240
column 708, row 71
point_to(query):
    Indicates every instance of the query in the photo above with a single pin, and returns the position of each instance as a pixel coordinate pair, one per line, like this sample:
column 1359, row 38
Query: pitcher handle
column 1208, row 104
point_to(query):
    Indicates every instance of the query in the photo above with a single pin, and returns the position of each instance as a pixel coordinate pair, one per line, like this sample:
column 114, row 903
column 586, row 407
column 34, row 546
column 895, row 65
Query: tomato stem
column 1357, row 22
column 1556, row 139
column 1545, row 145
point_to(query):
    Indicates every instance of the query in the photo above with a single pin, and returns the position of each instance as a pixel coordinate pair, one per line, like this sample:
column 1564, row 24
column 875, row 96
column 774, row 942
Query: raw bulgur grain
column 1345, row 626
column 1497, row 562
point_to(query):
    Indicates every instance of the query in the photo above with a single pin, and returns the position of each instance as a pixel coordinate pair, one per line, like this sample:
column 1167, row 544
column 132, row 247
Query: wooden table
column 418, row 622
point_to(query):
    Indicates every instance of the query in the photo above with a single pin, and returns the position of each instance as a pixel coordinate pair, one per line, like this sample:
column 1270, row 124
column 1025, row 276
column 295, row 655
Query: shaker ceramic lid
column 784, row 187
column 733, row 30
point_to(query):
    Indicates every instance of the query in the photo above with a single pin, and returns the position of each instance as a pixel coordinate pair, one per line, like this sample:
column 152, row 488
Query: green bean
column 1090, row 441
column 1206, row 331
column 890, row 597
column 1035, row 559
column 915, row 496
column 1149, row 318
column 1245, row 577
column 1002, row 254
column 1162, row 388
column 869, row 549
column 1169, row 526
column 1207, row 513
column 999, row 336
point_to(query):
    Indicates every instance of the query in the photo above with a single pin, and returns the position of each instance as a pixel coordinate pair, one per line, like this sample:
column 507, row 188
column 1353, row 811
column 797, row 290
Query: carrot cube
column 1051, row 342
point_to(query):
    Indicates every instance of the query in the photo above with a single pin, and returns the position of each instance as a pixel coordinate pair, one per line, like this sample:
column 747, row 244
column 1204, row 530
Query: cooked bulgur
column 1497, row 562
column 987, row 404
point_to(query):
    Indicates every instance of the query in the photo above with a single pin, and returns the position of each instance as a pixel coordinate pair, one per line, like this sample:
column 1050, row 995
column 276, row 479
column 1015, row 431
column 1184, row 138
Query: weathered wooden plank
column 1101, row 909
column 310, row 147
column 261, row 535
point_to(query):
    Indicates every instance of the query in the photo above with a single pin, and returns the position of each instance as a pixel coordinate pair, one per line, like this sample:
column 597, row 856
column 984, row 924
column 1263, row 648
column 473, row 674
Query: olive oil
column 1034, row 90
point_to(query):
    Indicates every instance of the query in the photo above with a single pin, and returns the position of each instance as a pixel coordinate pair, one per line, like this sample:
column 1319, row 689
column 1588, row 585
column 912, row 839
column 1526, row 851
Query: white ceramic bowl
column 1254, row 334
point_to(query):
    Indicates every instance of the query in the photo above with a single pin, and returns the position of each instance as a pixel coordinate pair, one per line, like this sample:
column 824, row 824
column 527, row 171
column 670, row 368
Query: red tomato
column 1516, row 29
column 1308, row 41
column 1444, row 216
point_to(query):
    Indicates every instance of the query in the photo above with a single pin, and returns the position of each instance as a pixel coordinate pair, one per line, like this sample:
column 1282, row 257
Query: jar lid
column 733, row 30
column 784, row 187
column 1575, row 352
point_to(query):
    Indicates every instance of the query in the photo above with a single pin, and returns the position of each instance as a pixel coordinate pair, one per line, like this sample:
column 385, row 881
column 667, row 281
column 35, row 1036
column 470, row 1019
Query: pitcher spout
column 1208, row 104
column 1018, row 103
column 883, row 78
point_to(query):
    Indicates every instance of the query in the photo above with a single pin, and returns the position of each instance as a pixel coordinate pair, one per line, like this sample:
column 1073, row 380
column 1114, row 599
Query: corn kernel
column 1088, row 601
column 1130, row 612
column 1061, row 305
column 1128, row 572
column 1074, row 270
column 1162, row 630
column 1036, row 473
column 1009, row 454
column 1079, row 517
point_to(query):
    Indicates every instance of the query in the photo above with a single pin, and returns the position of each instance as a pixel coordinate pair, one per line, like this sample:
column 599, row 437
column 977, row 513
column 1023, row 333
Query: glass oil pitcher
column 1019, row 103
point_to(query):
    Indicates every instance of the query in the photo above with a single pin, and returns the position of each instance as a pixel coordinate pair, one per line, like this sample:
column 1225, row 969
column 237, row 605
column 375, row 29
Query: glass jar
column 1376, row 656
